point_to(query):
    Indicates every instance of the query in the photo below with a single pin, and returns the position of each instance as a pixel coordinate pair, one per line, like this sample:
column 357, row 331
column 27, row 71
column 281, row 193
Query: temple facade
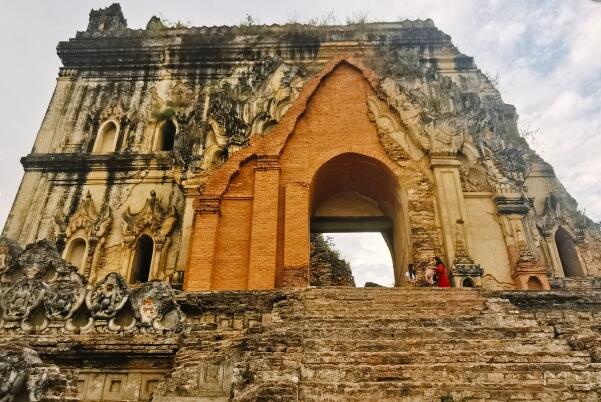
column 201, row 159
column 208, row 155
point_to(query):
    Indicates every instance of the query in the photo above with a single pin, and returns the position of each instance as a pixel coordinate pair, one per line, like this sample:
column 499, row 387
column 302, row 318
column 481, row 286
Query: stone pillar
column 512, row 207
column 127, row 256
column 201, row 254
column 263, row 241
column 451, row 205
column 553, row 255
column 190, row 194
column 296, row 236
column 157, row 258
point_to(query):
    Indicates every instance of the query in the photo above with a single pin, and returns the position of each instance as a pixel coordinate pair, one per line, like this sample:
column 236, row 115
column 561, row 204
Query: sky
column 545, row 54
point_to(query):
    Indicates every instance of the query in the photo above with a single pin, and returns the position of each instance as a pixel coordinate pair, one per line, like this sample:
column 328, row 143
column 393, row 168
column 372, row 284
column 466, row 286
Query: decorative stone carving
column 24, row 296
column 95, row 225
column 86, row 217
column 464, row 267
column 9, row 251
column 552, row 215
column 159, row 223
column 460, row 272
column 154, row 306
column 37, row 259
column 22, row 373
column 43, row 294
column 108, row 297
column 66, row 293
column 447, row 135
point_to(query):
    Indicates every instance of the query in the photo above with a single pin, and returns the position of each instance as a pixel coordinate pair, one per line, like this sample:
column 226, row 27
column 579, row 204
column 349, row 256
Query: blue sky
column 547, row 55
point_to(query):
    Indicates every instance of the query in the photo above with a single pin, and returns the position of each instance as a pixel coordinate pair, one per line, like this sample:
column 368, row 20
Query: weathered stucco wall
column 421, row 105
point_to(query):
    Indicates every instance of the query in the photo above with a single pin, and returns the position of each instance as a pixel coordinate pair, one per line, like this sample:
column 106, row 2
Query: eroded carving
column 154, row 306
column 158, row 222
column 108, row 297
column 66, row 293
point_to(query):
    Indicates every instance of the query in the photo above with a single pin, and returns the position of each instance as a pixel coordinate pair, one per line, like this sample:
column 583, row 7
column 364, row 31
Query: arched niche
column 468, row 283
column 142, row 262
column 106, row 140
column 534, row 283
column 165, row 136
column 75, row 252
column 358, row 193
column 568, row 255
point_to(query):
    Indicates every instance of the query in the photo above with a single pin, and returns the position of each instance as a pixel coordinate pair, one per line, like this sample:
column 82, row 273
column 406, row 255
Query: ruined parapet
column 42, row 293
column 24, row 377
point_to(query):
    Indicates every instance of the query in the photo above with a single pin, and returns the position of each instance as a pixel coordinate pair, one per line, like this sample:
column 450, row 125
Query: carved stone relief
column 23, row 374
column 95, row 226
column 107, row 297
column 154, row 306
column 156, row 222
column 46, row 294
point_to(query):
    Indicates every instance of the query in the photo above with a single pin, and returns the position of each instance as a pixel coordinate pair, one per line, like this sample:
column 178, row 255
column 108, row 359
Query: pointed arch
column 165, row 135
column 275, row 142
column 106, row 139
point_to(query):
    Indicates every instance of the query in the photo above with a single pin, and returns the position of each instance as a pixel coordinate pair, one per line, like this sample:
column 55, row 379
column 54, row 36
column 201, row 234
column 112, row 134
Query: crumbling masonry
column 159, row 245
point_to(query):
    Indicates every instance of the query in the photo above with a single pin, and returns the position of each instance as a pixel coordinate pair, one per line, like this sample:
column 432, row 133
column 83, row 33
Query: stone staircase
column 383, row 344
column 434, row 344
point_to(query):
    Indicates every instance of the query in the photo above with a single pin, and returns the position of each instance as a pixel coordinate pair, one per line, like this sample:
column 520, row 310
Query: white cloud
column 368, row 254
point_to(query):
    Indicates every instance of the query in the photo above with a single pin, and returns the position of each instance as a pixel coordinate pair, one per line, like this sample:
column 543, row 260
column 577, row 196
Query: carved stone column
column 201, row 256
column 263, row 241
column 451, row 207
column 512, row 207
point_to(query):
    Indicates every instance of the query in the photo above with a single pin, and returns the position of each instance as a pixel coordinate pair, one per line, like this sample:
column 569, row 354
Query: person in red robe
column 441, row 272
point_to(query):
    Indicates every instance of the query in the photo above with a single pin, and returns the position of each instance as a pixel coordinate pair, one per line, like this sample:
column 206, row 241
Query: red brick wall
column 335, row 121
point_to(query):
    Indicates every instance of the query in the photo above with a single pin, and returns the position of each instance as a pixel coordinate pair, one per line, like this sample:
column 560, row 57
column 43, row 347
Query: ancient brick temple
column 159, row 245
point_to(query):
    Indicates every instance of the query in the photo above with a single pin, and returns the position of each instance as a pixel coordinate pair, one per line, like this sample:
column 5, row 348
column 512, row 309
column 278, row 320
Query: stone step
column 410, row 313
column 415, row 322
column 425, row 391
column 514, row 375
column 396, row 302
column 435, row 344
column 445, row 356
column 482, row 332
column 350, row 292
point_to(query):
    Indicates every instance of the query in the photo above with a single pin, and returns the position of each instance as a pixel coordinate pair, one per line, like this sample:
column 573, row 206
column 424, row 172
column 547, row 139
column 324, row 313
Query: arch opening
column 142, row 259
column 355, row 200
column 166, row 140
column 568, row 254
column 534, row 283
column 106, row 139
column 468, row 283
column 76, row 252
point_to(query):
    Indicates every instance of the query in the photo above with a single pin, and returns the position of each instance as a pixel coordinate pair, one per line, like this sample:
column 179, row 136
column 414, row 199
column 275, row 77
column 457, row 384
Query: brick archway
column 253, row 218
column 352, row 192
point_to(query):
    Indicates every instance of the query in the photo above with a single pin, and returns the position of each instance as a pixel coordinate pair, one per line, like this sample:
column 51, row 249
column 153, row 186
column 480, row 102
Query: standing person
column 411, row 271
column 441, row 272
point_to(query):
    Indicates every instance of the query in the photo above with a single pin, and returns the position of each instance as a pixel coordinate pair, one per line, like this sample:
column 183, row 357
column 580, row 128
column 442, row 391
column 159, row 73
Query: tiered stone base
column 357, row 344
column 340, row 344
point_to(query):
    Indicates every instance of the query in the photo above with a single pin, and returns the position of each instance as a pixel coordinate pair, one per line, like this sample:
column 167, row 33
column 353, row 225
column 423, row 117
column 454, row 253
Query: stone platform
column 341, row 344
